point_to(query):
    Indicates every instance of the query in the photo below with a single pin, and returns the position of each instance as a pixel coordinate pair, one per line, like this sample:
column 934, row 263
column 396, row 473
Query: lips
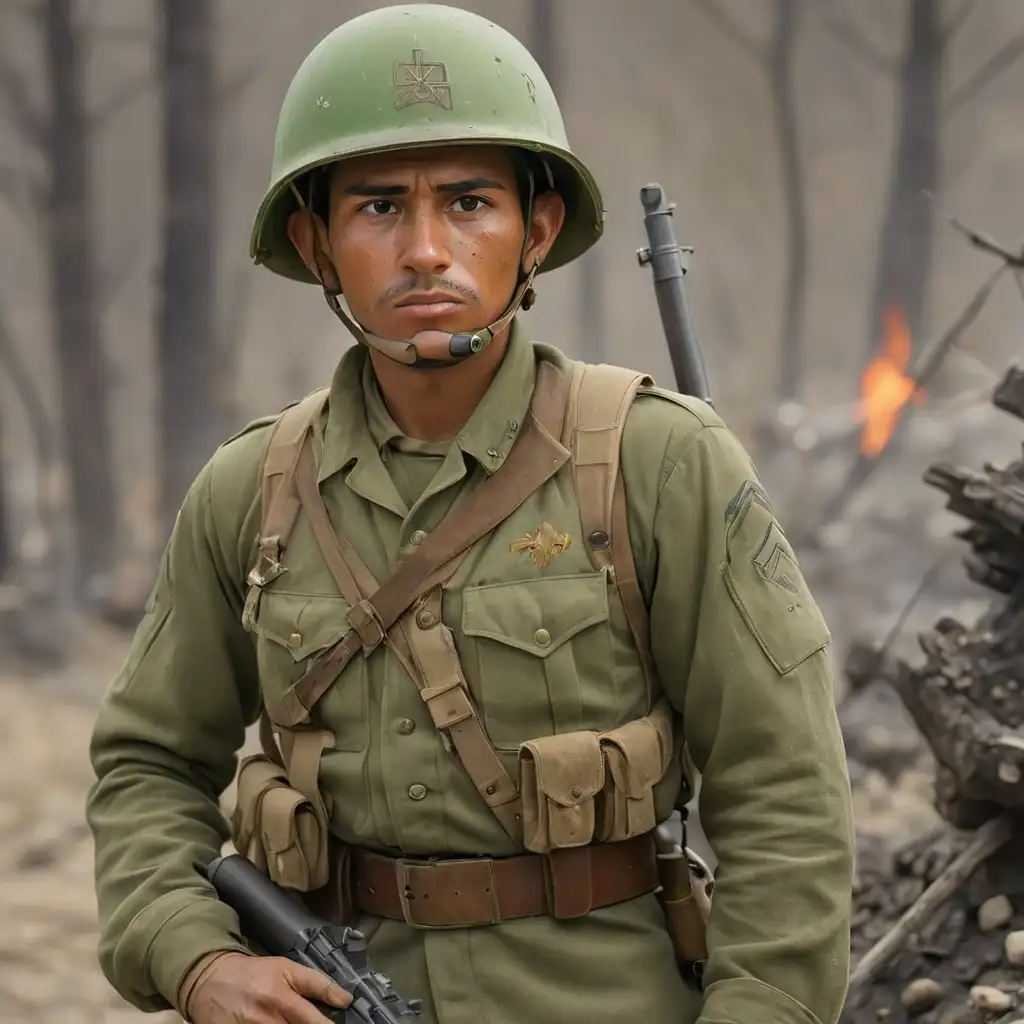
column 429, row 299
column 424, row 305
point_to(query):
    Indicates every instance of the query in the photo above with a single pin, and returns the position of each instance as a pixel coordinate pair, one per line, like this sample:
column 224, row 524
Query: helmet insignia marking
column 420, row 81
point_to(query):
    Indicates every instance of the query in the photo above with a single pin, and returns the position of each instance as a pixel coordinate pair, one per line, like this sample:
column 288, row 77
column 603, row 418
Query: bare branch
column 1018, row 280
column 129, row 91
column 956, row 21
column 981, row 241
column 990, row 245
column 930, row 361
column 1005, row 57
column 857, row 43
column 729, row 27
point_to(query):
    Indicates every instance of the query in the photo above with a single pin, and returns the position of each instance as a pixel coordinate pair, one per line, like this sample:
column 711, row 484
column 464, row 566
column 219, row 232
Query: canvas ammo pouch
column 581, row 787
column 280, row 827
column 560, row 778
column 637, row 756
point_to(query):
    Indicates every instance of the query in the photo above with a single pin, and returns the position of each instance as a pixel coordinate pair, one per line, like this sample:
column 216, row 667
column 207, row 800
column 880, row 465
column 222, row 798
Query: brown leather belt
column 470, row 892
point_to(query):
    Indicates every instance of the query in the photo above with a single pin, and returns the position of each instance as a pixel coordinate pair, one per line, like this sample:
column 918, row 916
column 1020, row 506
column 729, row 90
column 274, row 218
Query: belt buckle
column 404, row 869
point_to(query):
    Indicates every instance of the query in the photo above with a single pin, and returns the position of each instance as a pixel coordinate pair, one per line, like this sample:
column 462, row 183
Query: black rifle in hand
column 667, row 259
column 281, row 926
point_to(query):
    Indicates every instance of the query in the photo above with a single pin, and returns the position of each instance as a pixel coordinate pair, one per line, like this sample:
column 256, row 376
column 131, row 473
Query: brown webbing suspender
column 589, row 413
column 389, row 613
column 599, row 399
column 533, row 460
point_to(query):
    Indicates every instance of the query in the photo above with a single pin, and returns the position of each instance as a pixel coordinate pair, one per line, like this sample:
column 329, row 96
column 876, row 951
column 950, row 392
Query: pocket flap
column 301, row 623
column 639, row 752
column 256, row 774
column 536, row 616
column 569, row 767
column 278, row 814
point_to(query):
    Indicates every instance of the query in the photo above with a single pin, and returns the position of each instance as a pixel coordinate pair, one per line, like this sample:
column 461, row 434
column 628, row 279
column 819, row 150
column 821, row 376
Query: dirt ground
column 48, row 970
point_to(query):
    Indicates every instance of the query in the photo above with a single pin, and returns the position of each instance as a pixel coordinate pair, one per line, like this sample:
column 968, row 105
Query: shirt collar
column 358, row 423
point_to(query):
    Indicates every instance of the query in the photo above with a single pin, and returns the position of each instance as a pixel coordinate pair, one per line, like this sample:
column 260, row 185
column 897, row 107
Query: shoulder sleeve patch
column 765, row 583
column 701, row 411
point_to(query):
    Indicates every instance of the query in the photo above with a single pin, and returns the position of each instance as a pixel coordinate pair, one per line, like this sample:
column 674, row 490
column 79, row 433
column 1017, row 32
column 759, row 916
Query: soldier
column 477, row 649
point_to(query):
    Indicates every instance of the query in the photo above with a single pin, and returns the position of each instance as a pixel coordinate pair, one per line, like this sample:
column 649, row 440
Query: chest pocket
column 537, row 655
column 290, row 630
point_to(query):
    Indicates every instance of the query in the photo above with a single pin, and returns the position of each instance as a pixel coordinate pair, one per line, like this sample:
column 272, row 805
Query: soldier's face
column 433, row 239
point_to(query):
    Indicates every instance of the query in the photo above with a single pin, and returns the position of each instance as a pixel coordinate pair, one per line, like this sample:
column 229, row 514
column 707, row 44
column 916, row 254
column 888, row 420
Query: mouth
column 429, row 304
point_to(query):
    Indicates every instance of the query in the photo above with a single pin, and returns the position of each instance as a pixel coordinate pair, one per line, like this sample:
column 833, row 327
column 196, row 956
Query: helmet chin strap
column 432, row 349
column 425, row 350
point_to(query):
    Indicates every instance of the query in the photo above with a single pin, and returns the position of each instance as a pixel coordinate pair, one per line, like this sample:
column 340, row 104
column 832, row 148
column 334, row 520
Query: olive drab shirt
column 740, row 649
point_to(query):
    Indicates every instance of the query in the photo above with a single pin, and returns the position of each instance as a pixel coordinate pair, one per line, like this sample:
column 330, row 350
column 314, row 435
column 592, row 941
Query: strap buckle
column 475, row 893
column 268, row 566
column 363, row 618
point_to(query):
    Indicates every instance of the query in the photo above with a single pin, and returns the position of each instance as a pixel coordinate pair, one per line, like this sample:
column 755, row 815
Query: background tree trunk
column 186, row 362
column 905, row 244
column 82, row 365
column 780, row 70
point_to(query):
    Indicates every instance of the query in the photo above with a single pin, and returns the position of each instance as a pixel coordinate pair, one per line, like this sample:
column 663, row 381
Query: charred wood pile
column 938, row 932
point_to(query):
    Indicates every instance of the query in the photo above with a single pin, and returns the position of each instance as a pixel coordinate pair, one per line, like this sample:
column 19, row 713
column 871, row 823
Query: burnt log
column 971, row 720
column 1009, row 393
column 966, row 698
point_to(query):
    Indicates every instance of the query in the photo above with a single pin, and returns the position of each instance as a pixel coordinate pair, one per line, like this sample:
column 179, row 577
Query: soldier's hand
column 239, row 989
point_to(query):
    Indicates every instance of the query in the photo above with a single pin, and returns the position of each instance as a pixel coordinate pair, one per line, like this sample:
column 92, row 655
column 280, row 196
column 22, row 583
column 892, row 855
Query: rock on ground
column 963, row 968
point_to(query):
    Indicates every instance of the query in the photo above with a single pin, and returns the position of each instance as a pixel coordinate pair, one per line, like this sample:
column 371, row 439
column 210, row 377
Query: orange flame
column 885, row 385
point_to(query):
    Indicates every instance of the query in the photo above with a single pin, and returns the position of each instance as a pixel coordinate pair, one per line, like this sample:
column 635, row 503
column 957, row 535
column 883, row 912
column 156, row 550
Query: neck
column 434, row 405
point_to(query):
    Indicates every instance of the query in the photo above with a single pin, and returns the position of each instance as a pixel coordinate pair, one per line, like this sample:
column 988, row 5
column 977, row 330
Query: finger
column 296, row 1010
column 315, row 985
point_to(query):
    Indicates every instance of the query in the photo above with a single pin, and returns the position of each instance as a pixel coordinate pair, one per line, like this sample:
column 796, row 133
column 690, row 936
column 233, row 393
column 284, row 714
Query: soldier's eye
column 469, row 204
column 381, row 207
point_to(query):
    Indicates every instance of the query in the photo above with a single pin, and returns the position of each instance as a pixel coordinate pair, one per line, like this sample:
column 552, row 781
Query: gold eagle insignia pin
column 544, row 543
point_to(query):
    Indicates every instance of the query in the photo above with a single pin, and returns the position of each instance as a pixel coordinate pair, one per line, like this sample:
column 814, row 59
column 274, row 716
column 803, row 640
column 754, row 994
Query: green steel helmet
column 413, row 76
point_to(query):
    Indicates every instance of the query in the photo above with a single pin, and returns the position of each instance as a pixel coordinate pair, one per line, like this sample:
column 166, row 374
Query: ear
column 543, row 229
column 302, row 235
column 308, row 234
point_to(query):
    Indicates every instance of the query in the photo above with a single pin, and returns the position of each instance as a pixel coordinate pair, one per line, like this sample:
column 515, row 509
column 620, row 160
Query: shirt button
column 542, row 638
column 425, row 619
column 417, row 792
column 405, row 726
column 295, row 639
column 418, row 537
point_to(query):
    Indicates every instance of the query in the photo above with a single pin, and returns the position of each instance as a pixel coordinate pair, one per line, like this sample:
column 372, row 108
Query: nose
column 427, row 249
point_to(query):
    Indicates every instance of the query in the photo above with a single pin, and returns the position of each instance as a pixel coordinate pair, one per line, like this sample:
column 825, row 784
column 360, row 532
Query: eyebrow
column 365, row 188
